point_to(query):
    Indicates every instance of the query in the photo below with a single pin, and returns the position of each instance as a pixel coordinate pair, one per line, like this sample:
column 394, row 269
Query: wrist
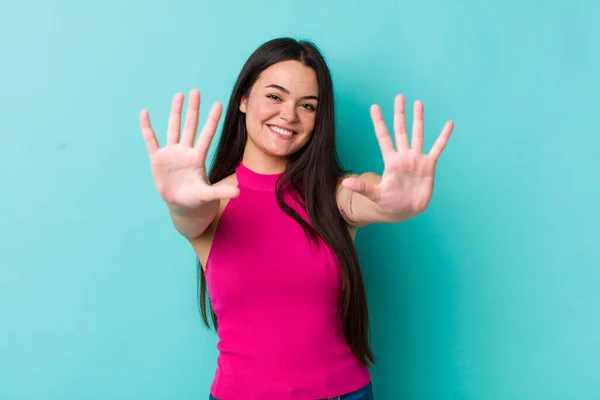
column 207, row 210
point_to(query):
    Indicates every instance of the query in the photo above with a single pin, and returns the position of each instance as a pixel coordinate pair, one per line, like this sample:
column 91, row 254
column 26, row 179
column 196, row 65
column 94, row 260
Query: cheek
column 261, row 111
column 308, row 121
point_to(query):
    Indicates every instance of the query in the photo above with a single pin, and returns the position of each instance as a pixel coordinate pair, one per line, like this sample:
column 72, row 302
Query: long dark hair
column 314, row 173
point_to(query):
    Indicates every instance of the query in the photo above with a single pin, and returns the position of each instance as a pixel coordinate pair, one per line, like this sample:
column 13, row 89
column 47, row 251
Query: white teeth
column 282, row 131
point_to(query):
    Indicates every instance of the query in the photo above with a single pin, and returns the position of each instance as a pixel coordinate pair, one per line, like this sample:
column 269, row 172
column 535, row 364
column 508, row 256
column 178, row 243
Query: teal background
column 491, row 294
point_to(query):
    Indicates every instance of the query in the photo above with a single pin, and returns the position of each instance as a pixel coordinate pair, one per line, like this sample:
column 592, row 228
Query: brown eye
column 273, row 97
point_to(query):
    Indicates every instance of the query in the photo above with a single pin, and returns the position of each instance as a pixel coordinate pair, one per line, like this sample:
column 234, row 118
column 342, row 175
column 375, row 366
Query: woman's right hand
column 178, row 168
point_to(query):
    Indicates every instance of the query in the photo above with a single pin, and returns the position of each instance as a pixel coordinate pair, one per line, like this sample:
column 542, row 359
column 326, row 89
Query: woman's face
column 281, row 109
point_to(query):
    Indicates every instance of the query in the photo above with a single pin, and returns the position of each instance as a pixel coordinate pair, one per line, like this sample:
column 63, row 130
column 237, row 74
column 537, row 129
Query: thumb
column 225, row 191
column 363, row 188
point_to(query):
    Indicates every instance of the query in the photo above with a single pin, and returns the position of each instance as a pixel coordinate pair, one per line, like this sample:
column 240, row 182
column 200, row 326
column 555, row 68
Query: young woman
column 273, row 222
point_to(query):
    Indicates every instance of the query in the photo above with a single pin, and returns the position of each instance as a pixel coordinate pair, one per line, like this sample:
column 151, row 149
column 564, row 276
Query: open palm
column 406, row 185
column 179, row 169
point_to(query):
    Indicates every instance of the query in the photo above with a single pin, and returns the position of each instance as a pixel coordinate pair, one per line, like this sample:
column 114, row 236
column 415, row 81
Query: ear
column 244, row 104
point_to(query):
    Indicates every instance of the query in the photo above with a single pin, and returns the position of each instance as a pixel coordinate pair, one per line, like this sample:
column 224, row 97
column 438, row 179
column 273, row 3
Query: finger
column 400, row 123
column 175, row 119
column 370, row 191
column 417, row 129
column 191, row 119
column 208, row 131
column 147, row 132
column 223, row 191
column 383, row 137
column 441, row 141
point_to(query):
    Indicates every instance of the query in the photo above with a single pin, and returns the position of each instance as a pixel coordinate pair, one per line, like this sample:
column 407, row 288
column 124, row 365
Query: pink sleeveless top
column 276, row 299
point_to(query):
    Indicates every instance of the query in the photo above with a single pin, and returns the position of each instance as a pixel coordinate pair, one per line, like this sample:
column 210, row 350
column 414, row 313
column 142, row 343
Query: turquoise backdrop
column 492, row 294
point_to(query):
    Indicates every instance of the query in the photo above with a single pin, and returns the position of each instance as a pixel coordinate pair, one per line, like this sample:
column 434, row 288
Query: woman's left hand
column 406, row 185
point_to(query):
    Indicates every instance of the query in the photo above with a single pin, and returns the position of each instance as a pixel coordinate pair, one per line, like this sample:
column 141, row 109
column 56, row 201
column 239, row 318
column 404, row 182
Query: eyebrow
column 284, row 90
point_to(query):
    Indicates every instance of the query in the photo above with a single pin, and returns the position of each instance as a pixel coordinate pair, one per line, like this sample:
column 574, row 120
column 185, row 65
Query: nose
column 288, row 112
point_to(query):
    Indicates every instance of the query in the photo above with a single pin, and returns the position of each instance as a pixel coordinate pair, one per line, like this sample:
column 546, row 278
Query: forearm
column 193, row 223
column 364, row 211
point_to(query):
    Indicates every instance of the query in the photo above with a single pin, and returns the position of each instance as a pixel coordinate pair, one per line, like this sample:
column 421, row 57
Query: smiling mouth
column 281, row 132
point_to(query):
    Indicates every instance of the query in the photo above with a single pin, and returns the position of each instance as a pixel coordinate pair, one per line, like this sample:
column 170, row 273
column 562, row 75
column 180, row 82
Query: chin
column 285, row 150
column 281, row 153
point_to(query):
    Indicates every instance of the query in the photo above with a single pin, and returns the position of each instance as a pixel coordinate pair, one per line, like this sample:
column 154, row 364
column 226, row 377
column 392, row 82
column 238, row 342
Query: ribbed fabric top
column 276, row 298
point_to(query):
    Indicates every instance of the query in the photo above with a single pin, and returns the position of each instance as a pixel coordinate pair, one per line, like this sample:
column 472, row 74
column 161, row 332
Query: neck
column 263, row 163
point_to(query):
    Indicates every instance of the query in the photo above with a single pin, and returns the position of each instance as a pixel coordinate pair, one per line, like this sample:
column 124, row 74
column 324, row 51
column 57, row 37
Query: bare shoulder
column 203, row 243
